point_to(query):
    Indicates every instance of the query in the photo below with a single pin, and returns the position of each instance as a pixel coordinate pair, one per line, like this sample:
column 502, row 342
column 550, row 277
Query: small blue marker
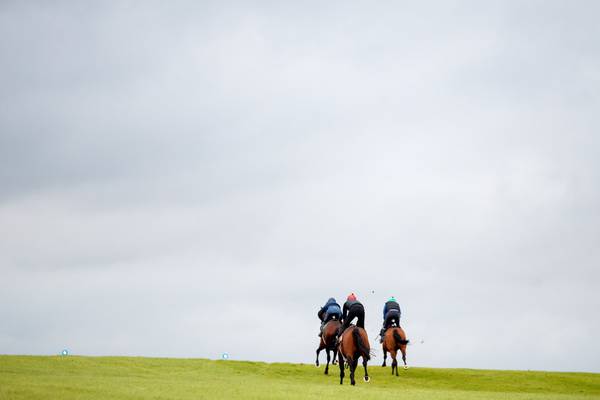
column 225, row 356
column 65, row 352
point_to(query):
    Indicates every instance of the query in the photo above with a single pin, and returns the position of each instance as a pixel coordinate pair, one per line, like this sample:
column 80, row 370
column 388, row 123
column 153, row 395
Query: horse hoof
column 406, row 367
column 367, row 379
column 317, row 365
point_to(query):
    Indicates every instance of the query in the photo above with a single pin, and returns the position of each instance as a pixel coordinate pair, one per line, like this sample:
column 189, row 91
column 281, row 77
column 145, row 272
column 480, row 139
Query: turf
column 33, row 377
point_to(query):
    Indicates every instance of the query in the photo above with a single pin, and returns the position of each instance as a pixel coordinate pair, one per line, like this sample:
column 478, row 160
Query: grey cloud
column 171, row 174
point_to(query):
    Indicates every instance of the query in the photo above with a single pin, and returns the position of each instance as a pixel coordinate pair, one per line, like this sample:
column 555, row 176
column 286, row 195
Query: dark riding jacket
column 331, row 307
column 389, row 306
column 348, row 305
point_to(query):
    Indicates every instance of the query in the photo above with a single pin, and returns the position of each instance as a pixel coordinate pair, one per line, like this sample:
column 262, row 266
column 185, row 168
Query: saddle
column 333, row 318
column 392, row 325
column 384, row 330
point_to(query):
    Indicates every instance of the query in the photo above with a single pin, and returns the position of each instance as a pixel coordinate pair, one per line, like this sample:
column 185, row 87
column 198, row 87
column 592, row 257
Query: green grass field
column 33, row 377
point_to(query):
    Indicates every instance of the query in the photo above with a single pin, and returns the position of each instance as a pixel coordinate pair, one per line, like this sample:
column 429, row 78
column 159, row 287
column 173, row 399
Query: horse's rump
column 398, row 339
column 394, row 338
column 330, row 331
column 363, row 348
column 354, row 343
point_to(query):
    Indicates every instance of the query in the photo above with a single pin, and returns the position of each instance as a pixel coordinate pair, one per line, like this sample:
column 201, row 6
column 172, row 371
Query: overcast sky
column 185, row 179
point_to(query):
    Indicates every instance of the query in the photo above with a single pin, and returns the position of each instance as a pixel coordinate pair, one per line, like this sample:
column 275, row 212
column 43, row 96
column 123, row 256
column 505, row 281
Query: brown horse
column 328, row 341
column 394, row 339
column 354, row 343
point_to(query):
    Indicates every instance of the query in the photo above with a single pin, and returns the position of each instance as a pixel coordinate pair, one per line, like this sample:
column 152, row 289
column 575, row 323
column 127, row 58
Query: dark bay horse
column 353, row 344
column 328, row 341
column 394, row 340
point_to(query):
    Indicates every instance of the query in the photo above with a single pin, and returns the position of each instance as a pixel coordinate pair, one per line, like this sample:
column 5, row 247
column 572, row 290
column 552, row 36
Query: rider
column 391, row 315
column 353, row 309
column 329, row 311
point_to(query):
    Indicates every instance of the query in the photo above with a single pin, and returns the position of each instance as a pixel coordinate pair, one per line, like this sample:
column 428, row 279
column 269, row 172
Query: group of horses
column 353, row 344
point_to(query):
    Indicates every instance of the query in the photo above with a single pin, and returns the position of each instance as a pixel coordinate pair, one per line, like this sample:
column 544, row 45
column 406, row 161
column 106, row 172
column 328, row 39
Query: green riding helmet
column 393, row 299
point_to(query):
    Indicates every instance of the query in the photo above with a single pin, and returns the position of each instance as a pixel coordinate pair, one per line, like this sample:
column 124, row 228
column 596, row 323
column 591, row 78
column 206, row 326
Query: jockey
column 329, row 311
column 353, row 309
column 391, row 315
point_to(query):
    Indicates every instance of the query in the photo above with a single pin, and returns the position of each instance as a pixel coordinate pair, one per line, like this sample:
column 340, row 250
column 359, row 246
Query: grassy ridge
column 27, row 377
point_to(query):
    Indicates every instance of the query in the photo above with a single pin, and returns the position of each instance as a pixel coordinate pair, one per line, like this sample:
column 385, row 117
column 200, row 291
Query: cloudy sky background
column 195, row 178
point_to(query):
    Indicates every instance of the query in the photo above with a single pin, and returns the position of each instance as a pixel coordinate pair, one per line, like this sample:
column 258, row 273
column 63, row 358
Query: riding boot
column 382, row 334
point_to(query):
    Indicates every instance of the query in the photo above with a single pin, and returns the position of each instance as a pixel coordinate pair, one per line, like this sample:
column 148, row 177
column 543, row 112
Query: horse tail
column 362, row 348
column 398, row 339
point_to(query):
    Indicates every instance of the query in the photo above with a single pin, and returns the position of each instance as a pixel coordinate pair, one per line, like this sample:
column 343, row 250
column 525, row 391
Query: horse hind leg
column 384, row 357
column 334, row 361
column 353, row 364
column 341, row 365
column 394, row 362
column 367, row 379
column 403, row 350
column 328, row 358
